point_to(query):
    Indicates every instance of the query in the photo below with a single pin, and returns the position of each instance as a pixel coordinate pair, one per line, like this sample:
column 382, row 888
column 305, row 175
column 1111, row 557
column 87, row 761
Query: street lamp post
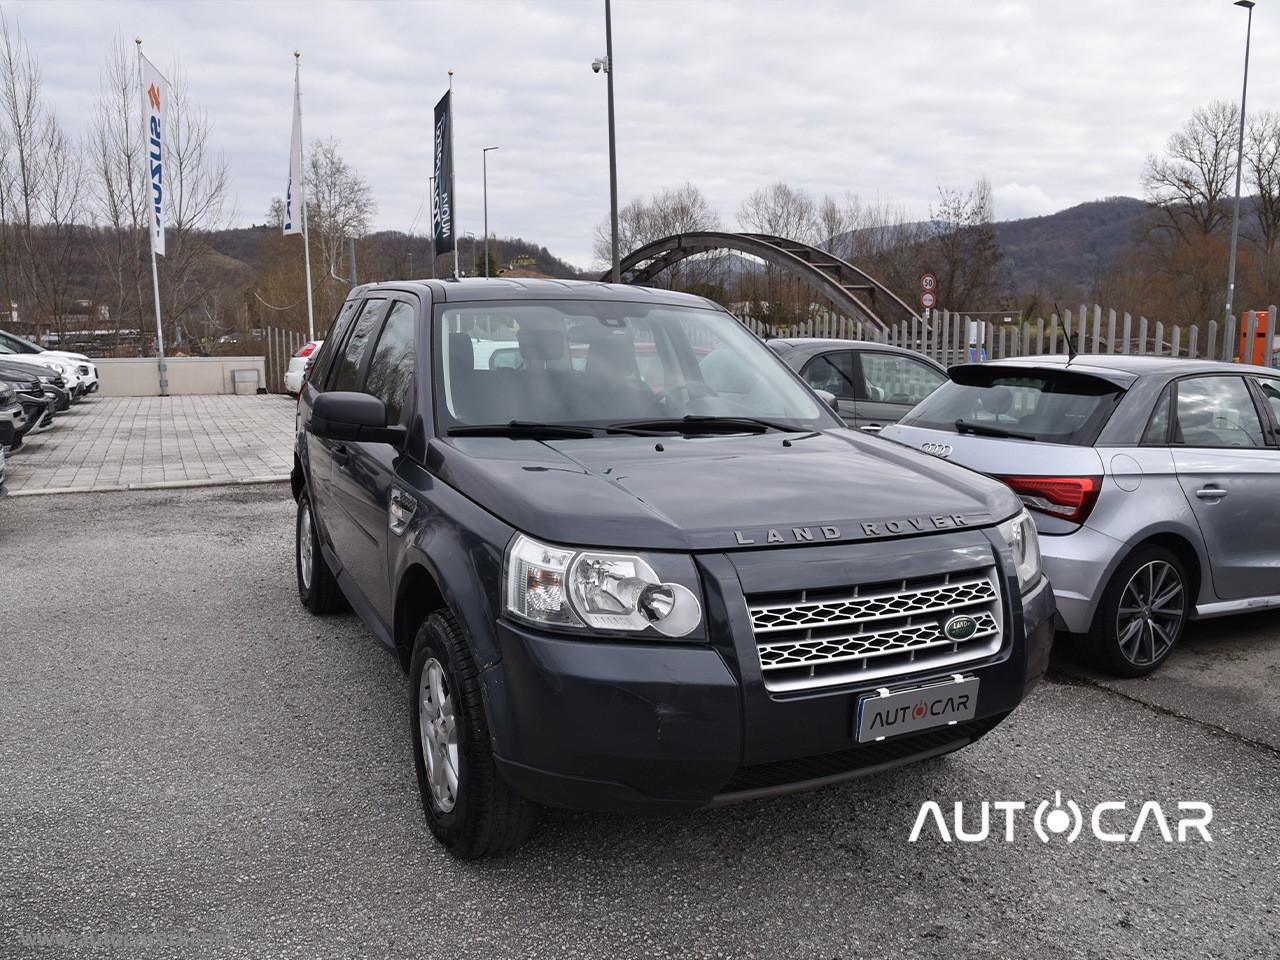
column 472, row 235
column 484, row 163
column 606, row 64
column 1235, row 212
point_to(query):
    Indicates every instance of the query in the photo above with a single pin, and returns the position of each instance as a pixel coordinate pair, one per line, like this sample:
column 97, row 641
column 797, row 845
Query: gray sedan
column 1154, row 483
column 874, row 384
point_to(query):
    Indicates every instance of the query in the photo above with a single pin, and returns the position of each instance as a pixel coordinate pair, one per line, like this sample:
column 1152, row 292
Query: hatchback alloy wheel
column 1151, row 613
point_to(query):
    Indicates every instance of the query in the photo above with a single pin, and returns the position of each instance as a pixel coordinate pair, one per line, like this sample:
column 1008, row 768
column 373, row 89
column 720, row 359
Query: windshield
column 1053, row 406
column 594, row 364
column 16, row 344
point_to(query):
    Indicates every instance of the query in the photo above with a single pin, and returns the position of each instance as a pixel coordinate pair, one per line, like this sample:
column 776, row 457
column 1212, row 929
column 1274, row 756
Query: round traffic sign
column 928, row 282
column 927, row 300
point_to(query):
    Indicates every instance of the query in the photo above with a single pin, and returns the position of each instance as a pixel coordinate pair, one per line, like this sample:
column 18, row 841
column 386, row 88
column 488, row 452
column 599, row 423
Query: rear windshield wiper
column 987, row 430
column 702, row 424
column 523, row 430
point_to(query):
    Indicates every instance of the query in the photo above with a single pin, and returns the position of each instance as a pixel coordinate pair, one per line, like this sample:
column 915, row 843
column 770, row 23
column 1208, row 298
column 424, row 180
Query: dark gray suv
column 631, row 562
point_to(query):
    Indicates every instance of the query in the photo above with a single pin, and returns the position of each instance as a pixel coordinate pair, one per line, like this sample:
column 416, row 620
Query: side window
column 346, row 365
column 889, row 378
column 1216, row 412
column 333, row 340
column 391, row 369
column 1157, row 432
column 1271, row 391
column 832, row 372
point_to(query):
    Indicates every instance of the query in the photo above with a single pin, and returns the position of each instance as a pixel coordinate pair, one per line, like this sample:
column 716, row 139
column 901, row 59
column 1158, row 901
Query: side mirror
column 829, row 398
column 342, row 415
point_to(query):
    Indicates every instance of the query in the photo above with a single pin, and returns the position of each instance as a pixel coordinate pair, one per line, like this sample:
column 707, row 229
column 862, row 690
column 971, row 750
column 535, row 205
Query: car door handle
column 1211, row 493
column 872, row 428
column 340, row 455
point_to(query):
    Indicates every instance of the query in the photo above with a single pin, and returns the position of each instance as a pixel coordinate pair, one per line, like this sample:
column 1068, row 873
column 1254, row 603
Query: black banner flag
column 442, row 213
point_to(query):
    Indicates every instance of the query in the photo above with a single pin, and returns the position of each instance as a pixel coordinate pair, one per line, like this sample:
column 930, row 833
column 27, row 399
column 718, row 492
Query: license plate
column 892, row 713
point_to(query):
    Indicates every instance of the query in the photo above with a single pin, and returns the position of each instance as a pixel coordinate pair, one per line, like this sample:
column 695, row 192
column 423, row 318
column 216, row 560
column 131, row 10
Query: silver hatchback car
column 1154, row 483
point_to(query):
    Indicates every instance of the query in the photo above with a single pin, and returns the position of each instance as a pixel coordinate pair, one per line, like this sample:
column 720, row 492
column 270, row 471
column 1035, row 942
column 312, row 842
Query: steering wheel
column 691, row 389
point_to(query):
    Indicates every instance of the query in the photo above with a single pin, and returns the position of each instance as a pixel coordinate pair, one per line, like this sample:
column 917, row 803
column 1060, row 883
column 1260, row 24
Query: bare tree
column 44, row 182
column 339, row 203
column 198, row 203
column 877, row 237
column 674, row 210
column 119, row 189
column 781, row 211
column 963, row 247
column 1191, row 182
column 1262, row 157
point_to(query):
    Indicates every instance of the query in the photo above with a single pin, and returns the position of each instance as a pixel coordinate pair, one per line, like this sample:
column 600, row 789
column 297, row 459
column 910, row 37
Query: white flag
column 155, row 95
column 294, row 195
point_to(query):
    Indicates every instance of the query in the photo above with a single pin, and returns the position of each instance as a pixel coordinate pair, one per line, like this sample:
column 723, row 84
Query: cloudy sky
column 1056, row 102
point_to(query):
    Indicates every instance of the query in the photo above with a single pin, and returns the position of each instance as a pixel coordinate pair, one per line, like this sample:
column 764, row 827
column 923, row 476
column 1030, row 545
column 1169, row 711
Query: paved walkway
column 114, row 443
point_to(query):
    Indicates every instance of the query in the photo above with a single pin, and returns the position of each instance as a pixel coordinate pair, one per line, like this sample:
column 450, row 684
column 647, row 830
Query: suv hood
column 717, row 493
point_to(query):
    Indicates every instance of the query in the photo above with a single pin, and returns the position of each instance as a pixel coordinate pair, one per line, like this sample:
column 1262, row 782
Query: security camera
column 597, row 65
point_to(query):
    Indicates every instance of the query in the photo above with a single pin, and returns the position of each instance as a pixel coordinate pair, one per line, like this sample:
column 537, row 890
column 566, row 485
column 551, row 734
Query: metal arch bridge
column 851, row 291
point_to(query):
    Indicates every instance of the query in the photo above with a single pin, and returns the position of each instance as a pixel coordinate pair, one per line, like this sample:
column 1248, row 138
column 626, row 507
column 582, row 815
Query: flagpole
column 453, row 176
column 306, row 234
column 433, row 227
column 163, row 369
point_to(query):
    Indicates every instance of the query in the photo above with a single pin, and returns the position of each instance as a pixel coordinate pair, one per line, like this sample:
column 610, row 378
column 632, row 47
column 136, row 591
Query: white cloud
column 1013, row 201
column 1057, row 103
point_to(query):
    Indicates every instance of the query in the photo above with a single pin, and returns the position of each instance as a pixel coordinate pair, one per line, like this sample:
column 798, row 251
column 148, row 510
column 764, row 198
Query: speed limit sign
column 927, row 300
column 929, row 283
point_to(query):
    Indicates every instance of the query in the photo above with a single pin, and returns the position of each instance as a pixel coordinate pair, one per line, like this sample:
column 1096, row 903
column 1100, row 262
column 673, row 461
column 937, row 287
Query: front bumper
column 646, row 727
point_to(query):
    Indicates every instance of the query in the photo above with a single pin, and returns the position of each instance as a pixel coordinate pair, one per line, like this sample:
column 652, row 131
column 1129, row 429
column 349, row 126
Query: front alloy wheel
column 438, row 726
column 469, row 807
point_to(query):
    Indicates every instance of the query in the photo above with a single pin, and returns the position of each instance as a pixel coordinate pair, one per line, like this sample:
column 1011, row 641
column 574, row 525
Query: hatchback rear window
column 1052, row 406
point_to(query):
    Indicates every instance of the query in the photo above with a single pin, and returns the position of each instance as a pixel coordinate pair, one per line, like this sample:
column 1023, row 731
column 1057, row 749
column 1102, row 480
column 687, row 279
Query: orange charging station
column 1259, row 352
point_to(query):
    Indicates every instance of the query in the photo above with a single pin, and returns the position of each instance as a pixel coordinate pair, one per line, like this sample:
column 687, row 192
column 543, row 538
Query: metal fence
column 278, row 347
column 955, row 338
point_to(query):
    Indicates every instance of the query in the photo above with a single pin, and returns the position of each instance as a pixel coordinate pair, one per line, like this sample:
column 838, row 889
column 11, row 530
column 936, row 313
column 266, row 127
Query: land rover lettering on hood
column 631, row 562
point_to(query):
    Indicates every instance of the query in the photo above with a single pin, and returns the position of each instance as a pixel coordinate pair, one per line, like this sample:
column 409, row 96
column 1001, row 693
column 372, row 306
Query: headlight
column 1020, row 533
column 604, row 591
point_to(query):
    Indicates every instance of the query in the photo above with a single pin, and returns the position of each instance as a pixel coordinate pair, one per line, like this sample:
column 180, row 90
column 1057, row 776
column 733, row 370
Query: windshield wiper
column 986, row 430
column 523, row 430
column 702, row 424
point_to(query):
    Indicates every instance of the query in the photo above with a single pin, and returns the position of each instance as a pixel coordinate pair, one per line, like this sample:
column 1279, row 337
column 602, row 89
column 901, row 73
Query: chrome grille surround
column 818, row 638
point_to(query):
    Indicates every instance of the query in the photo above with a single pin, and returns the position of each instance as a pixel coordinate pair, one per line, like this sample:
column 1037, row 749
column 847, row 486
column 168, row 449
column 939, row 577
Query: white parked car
column 297, row 372
column 77, row 369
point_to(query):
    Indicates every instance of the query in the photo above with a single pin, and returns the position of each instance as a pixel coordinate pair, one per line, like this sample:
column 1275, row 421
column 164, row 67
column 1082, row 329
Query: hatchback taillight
column 1071, row 498
column 306, row 350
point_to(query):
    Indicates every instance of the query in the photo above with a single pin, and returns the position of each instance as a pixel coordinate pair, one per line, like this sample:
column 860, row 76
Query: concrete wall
column 140, row 377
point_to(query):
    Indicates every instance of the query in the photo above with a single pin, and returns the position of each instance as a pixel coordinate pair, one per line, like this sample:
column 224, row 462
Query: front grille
column 782, row 772
column 818, row 638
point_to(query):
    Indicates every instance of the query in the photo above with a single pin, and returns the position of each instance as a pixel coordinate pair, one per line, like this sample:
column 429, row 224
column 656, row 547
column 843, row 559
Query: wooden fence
column 955, row 338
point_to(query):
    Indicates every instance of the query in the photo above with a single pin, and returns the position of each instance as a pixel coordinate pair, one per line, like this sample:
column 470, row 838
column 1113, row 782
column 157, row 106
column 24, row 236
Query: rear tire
column 468, row 805
column 1142, row 615
column 317, row 586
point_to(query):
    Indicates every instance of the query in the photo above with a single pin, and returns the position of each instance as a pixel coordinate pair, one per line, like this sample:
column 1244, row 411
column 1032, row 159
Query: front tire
column 468, row 805
column 317, row 586
column 1142, row 615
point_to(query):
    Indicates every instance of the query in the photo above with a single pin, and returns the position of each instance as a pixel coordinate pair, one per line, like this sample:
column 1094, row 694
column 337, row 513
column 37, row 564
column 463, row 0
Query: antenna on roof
column 1071, row 347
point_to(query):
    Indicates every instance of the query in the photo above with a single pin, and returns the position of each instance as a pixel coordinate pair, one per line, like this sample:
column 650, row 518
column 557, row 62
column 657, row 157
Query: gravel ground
column 192, row 766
